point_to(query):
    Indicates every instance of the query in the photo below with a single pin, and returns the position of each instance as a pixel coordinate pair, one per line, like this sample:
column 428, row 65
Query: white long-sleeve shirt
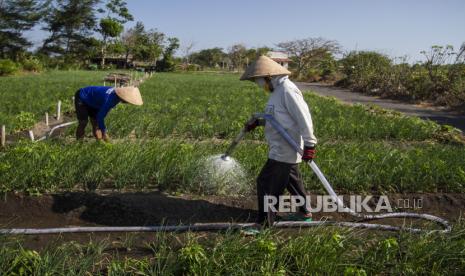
column 287, row 105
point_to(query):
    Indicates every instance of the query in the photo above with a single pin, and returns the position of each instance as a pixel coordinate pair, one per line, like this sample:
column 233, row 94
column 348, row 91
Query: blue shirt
column 102, row 98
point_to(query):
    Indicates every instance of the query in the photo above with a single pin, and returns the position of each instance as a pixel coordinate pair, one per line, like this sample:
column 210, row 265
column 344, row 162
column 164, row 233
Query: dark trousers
column 83, row 113
column 274, row 178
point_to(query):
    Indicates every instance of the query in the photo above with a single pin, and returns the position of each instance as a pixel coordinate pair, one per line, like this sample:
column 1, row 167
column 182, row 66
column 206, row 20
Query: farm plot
column 188, row 117
column 204, row 106
column 159, row 149
column 26, row 98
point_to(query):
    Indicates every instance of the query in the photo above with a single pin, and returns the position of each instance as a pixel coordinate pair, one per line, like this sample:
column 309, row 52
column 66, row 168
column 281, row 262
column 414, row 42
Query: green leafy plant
column 32, row 64
column 24, row 120
column 8, row 67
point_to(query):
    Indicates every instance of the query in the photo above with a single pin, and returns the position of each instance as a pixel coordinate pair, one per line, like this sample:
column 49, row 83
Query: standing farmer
column 289, row 108
column 95, row 102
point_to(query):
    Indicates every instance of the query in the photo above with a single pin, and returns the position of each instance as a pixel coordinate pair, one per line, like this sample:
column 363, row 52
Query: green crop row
column 176, row 165
column 201, row 106
column 205, row 106
column 327, row 251
column 34, row 94
column 164, row 143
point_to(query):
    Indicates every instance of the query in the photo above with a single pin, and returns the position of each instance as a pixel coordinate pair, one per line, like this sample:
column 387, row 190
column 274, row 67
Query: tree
column 237, row 54
column 130, row 39
column 187, row 51
column 208, row 57
column 16, row 17
column 254, row 53
column 151, row 47
column 116, row 47
column 168, row 63
column 461, row 54
column 111, row 26
column 143, row 45
column 309, row 52
column 71, row 24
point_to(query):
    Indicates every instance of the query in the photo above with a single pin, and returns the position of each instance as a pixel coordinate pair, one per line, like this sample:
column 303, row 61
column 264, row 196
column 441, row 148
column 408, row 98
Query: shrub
column 312, row 75
column 455, row 95
column 8, row 67
column 366, row 71
column 417, row 83
column 32, row 64
column 92, row 67
column 24, row 120
column 435, row 80
column 167, row 64
column 108, row 67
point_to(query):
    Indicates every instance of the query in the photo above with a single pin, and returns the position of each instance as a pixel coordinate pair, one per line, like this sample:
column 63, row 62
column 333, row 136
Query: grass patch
column 324, row 250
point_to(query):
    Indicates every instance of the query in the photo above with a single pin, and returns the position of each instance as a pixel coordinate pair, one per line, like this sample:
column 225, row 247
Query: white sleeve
column 298, row 109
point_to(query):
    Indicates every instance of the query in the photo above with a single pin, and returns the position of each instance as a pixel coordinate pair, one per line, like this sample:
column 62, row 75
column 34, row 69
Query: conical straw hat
column 129, row 94
column 264, row 67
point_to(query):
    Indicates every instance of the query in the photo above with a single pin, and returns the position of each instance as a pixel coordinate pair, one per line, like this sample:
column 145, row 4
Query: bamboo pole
column 115, row 81
column 46, row 119
column 3, row 142
column 104, row 83
column 58, row 110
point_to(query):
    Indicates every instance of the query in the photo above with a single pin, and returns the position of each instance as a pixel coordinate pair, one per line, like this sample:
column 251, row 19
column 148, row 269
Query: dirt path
column 430, row 113
column 155, row 208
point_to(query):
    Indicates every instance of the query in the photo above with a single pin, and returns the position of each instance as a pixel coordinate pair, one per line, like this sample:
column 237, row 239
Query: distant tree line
column 82, row 32
column 237, row 57
column 77, row 32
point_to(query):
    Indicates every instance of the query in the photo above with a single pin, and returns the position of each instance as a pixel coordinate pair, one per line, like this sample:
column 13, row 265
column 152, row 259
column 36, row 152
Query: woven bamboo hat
column 129, row 94
column 264, row 67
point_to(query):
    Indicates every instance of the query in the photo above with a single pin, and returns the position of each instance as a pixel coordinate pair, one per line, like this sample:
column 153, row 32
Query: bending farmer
column 289, row 108
column 95, row 102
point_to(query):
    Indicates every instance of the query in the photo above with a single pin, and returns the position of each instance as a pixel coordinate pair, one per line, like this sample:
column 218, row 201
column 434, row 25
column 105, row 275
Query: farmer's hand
column 252, row 124
column 309, row 153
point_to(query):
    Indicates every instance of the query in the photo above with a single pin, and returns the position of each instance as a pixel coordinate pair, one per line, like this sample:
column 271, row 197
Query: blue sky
column 396, row 28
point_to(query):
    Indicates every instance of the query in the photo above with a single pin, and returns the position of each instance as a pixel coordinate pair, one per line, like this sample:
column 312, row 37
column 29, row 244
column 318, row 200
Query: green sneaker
column 250, row 231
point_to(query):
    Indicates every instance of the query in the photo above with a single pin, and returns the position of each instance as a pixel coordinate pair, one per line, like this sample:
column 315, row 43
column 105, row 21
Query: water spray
column 233, row 145
column 222, row 174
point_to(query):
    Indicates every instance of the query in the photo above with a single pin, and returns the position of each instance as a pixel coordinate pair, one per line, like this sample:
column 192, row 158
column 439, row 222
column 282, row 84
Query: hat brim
column 130, row 95
column 264, row 67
